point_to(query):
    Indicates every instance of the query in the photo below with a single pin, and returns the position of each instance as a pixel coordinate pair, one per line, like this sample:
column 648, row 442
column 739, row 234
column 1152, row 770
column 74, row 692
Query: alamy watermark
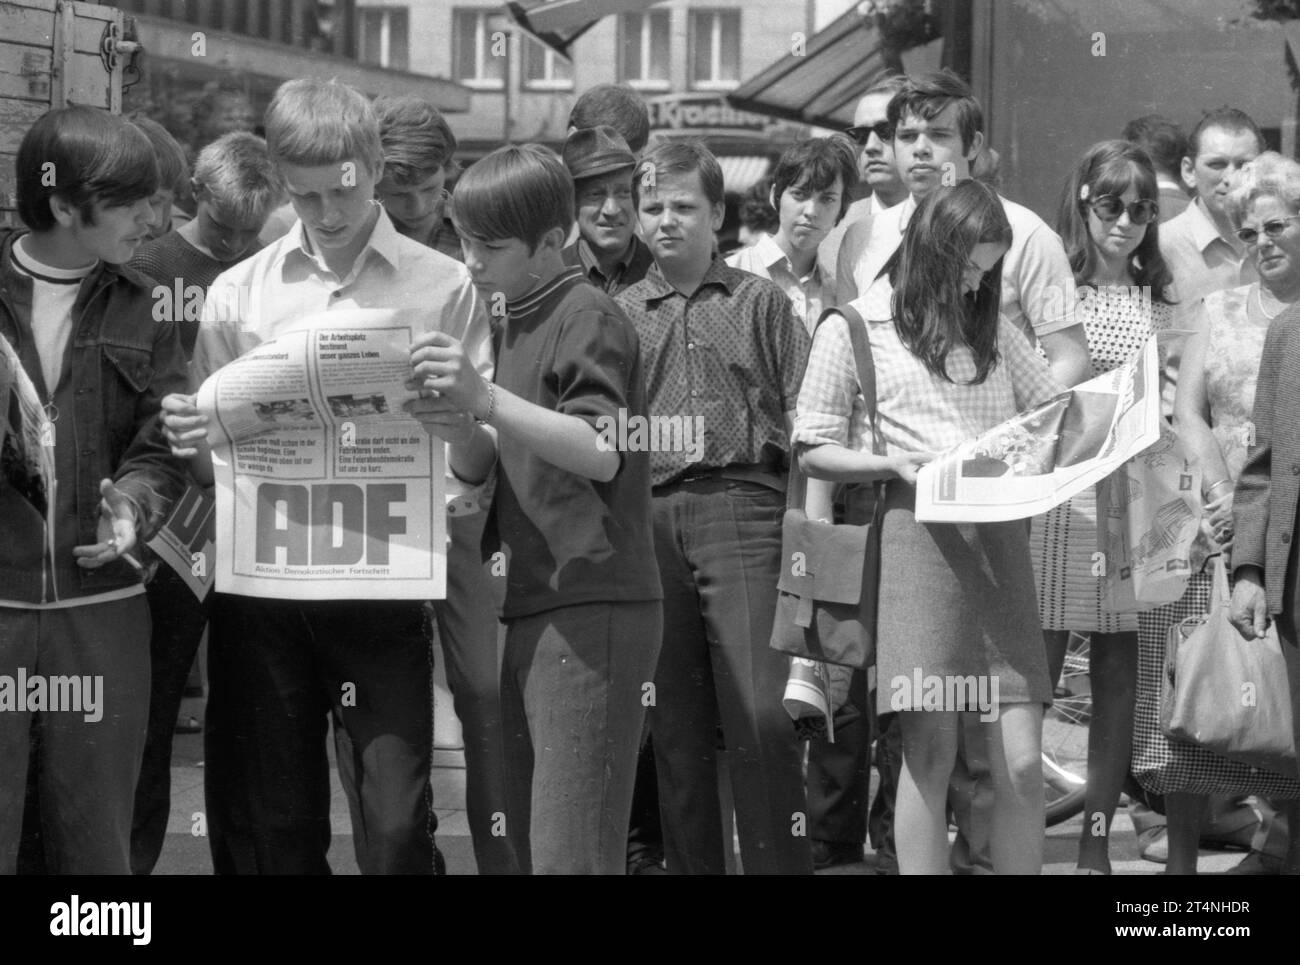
column 35, row 693
column 945, row 692
column 655, row 433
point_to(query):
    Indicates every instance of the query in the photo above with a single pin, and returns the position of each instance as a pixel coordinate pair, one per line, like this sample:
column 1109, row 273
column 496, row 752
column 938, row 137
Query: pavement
column 186, row 852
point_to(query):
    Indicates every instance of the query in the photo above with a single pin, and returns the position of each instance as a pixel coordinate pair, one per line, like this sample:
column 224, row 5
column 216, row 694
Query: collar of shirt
column 657, row 287
column 1202, row 227
column 878, row 207
column 771, row 255
column 535, row 299
column 384, row 241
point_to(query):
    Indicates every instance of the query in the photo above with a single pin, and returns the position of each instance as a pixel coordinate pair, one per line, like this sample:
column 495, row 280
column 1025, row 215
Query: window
column 385, row 36
column 478, row 52
column 644, row 49
column 715, row 49
column 544, row 69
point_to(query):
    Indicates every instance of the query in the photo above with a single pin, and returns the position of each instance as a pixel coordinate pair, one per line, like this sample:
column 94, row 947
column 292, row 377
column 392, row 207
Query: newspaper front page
column 1042, row 457
column 325, row 488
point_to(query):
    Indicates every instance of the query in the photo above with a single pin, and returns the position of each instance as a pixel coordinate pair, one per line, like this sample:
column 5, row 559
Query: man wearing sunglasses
column 938, row 131
column 1199, row 245
column 878, row 178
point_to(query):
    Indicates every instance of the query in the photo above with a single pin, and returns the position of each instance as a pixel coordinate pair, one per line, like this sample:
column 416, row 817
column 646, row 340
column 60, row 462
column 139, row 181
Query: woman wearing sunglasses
column 1213, row 415
column 1108, row 223
column 955, row 600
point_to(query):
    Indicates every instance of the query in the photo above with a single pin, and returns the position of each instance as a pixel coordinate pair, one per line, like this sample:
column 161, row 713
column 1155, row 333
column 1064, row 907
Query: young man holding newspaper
column 281, row 669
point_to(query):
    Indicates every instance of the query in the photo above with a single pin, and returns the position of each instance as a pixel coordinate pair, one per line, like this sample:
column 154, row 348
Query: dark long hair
column 930, row 311
column 1112, row 167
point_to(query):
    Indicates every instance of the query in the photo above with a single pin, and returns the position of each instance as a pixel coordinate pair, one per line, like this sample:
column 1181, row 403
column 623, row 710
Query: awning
column 822, row 83
column 558, row 23
column 739, row 174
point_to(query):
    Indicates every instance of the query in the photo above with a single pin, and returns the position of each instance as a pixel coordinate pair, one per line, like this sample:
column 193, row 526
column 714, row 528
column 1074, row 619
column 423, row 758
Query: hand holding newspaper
column 1042, row 457
column 325, row 487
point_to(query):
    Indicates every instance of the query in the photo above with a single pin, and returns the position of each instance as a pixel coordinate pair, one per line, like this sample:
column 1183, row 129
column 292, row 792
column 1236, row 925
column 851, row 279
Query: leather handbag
column 1226, row 693
column 830, row 572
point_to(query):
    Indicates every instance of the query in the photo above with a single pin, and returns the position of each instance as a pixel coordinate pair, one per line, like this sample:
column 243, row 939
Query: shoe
column 188, row 725
column 1257, row 863
column 646, row 864
column 439, row 862
column 886, row 865
column 1153, row 844
column 829, row 854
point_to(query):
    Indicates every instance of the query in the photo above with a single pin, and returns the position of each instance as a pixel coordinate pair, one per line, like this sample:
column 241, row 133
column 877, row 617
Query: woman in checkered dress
column 1108, row 223
column 1212, row 413
column 956, row 601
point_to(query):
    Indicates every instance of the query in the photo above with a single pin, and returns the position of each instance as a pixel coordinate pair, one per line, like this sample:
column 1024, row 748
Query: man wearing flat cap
column 607, row 248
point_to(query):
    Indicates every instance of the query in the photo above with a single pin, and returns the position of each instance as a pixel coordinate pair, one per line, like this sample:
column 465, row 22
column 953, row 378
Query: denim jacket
column 120, row 363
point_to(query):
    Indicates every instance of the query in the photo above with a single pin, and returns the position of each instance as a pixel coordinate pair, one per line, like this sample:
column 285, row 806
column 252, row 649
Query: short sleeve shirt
column 916, row 410
column 729, row 357
column 568, row 539
column 1038, row 289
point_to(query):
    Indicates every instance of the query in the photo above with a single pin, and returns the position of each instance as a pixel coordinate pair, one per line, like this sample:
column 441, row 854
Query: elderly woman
column 1212, row 414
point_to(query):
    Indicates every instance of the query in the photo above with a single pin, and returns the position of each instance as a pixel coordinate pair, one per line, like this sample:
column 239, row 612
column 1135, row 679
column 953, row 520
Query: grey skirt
column 958, row 613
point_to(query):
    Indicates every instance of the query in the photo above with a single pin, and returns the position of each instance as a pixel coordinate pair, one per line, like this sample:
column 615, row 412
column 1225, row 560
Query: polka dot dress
column 1117, row 321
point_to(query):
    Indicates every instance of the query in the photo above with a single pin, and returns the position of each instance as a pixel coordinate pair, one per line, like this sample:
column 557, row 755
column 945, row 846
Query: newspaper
column 1042, row 457
column 325, row 488
column 186, row 542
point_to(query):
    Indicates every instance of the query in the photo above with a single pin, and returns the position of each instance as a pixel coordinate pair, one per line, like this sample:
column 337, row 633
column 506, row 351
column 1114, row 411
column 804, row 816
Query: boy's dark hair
column 173, row 169
column 518, row 191
column 680, row 157
column 814, row 164
column 417, row 141
column 90, row 156
column 617, row 106
column 928, row 95
column 1163, row 140
column 756, row 211
column 1226, row 119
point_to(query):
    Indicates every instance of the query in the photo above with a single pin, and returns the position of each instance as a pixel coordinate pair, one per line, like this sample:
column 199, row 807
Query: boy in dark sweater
column 571, row 513
column 235, row 186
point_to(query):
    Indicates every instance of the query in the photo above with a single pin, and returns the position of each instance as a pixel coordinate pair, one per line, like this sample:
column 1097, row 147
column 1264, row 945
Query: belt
column 759, row 475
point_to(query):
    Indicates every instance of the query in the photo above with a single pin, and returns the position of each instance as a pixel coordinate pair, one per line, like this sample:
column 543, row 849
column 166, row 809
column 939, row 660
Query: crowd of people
column 602, row 674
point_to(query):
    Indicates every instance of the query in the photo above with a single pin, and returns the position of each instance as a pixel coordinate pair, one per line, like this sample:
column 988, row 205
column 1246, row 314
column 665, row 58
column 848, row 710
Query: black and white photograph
column 842, row 239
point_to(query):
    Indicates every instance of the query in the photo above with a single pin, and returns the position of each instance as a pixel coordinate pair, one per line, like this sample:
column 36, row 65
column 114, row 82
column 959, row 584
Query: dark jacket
column 119, row 364
column 1264, row 504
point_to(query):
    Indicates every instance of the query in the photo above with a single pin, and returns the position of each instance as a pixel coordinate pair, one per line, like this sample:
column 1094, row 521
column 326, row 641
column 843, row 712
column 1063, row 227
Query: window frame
column 716, row 16
column 482, row 47
column 647, row 48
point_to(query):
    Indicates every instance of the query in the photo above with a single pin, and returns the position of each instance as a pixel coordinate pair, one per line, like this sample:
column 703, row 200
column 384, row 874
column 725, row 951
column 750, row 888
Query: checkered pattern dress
column 954, row 599
column 1064, row 540
column 1236, row 327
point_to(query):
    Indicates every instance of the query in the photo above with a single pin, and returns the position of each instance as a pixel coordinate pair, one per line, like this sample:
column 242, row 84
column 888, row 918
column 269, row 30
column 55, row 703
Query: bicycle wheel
column 1065, row 736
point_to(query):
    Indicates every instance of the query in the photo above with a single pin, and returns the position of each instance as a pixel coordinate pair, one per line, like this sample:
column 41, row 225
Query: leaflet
column 1042, row 457
column 325, row 487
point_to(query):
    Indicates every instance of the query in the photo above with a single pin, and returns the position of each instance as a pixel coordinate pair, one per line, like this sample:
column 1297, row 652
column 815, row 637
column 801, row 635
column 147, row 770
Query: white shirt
column 285, row 281
column 809, row 294
column 54, row 292
column 1038, row 290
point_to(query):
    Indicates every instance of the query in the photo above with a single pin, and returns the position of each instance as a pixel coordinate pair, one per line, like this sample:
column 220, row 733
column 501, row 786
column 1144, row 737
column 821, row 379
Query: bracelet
column 1209, row 490
column 492, row 405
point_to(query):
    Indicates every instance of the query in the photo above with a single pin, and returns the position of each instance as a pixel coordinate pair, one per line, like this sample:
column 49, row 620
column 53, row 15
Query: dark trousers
column 279, row 671
column 718, row 544
column 572, row 700
column 86, row 769
column 889, row 769
column 178, row 621
column 468, row 629
column 839, row 775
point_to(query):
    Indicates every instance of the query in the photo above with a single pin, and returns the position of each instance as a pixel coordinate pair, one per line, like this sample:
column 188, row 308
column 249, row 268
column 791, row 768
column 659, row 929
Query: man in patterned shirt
column 724, row 359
